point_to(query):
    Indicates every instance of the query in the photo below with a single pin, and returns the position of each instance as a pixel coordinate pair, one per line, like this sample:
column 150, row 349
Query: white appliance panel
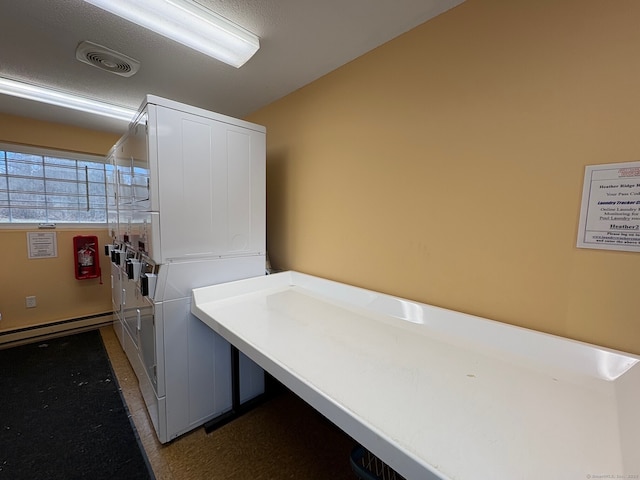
column 191, row 355
column 118, row 328
column 159, row 383
column 147, row 340
column 140, row 181
column 154, row 240
column 177, row 279
column 245, row 192
column 143, row 224
column 156, row 405
column 130, row 306
column 189, row 193
column 212, row 203
column 124, row 225
column 123, row 173
column 150, row 114
column 116, row 288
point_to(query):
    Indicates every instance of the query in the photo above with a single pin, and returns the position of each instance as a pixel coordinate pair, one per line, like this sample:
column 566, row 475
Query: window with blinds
column 39, row 186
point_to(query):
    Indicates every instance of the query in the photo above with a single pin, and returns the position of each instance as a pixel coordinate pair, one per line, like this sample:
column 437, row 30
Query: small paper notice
column 610, row 213
column 42, row 244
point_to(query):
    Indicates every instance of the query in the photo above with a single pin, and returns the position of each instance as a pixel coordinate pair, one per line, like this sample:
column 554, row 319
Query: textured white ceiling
column 301, row 40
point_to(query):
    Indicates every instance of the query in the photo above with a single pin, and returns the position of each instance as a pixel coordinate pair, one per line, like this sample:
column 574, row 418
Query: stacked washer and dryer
column 186, row 210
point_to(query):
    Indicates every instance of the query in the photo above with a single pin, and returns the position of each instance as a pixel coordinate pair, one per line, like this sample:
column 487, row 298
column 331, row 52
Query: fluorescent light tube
column 61, row 99
column 190, row 24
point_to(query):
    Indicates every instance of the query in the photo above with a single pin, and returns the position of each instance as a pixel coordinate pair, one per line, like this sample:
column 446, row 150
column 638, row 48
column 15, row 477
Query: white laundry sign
column 42, row 244
column 610, row 213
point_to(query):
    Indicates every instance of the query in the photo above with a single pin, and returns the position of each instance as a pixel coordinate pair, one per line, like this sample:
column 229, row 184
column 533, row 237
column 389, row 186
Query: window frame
column 64, row 155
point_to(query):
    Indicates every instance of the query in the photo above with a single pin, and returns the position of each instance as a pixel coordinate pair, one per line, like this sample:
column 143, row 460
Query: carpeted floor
column 62, row 415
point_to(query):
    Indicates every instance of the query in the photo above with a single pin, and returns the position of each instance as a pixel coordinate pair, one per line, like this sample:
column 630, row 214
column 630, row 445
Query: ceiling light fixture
column 66, row 100
column 190, row 24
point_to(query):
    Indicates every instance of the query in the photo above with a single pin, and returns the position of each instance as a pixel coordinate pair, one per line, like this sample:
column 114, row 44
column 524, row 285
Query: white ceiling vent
column 106, row 59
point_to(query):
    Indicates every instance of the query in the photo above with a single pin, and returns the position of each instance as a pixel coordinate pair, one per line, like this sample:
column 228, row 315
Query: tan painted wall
column 58, row 294
column 26, row 131
column 447, row 166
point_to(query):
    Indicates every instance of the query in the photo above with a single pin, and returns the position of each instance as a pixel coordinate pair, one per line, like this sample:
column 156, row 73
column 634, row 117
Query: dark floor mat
column 62, row 415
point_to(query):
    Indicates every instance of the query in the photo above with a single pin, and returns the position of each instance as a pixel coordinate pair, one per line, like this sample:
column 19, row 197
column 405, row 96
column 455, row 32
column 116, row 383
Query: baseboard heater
column 12, row 338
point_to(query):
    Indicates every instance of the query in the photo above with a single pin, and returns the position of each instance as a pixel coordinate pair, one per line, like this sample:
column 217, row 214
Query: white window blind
column 39, row 186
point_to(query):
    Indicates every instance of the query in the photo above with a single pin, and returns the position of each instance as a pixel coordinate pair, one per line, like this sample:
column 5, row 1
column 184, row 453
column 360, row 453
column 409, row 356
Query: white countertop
column 436, row 393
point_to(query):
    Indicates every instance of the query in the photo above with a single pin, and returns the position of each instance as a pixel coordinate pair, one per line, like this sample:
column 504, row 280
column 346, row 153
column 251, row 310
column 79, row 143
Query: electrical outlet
column 31, row 302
